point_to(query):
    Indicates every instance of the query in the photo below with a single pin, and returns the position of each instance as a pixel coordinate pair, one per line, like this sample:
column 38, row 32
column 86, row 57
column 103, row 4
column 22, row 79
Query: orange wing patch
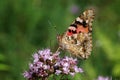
column 82, row 29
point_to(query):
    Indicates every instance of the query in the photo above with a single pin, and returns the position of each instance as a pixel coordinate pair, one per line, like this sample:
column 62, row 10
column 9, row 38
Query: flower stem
column 44, row 78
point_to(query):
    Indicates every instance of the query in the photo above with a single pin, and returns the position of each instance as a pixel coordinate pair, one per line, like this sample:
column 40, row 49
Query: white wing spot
column 87, row 21
column 72, row 28
column 78, row 19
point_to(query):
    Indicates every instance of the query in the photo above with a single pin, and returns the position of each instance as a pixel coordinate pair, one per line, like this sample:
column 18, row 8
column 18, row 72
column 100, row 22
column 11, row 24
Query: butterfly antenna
column 53, row 27
column 56, row 33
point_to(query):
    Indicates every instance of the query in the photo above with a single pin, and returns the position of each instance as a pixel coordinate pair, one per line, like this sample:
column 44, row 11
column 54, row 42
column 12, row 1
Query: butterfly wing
column 78, row 38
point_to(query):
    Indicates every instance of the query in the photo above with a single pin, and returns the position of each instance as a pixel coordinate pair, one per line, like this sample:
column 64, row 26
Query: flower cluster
column 103, row 78
column 46, row 63
column 67, row 66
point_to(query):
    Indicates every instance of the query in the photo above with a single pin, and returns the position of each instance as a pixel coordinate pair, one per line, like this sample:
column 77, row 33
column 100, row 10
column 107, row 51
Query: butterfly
column 77, row 40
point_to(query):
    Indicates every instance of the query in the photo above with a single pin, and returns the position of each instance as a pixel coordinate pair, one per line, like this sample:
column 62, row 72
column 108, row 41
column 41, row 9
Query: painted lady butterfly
column 78, row 38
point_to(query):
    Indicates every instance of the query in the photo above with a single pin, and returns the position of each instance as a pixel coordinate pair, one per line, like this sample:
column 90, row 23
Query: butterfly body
column 78, row 38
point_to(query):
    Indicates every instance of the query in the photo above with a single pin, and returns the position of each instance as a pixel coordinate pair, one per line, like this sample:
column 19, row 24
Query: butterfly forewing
column 78, row 38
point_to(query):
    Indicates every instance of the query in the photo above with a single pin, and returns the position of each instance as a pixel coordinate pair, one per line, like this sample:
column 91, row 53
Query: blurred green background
column 28, row 25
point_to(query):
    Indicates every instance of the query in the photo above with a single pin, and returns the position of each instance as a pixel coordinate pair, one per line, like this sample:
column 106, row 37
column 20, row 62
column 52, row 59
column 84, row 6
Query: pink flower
column 46, row 63
column 103, row 78
column 74, row 9
column 27, row 74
